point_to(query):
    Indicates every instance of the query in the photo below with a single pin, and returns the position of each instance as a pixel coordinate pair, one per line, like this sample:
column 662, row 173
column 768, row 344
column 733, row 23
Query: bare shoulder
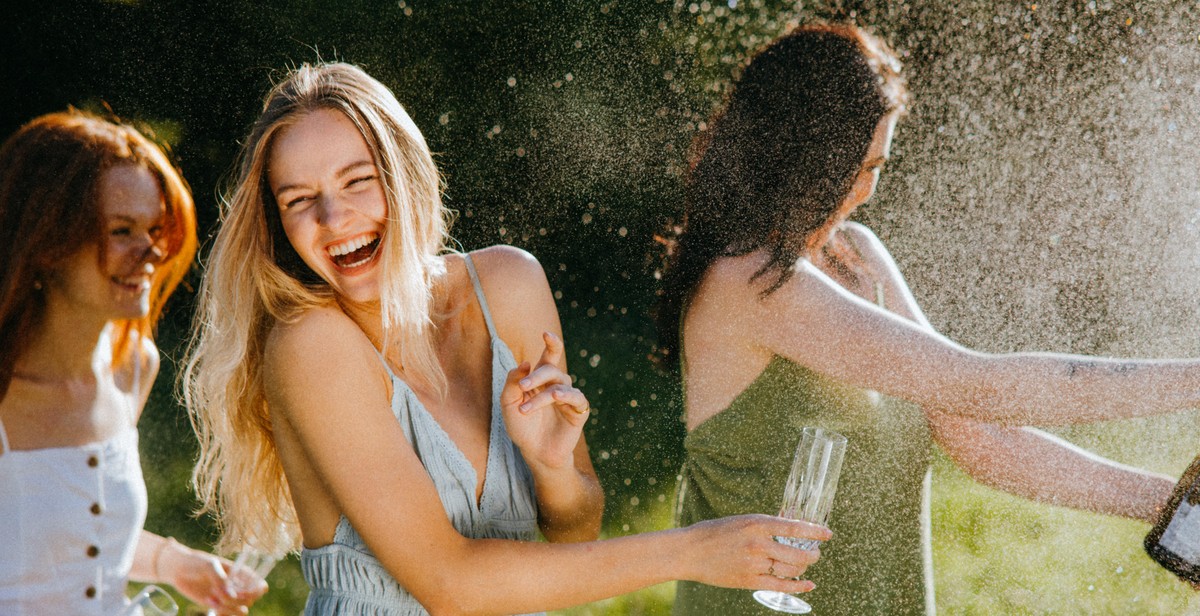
column 321, row 345
column 507, row 267
column 742, row 278
column 868, row 244
column 519, row 297
column 314, row 327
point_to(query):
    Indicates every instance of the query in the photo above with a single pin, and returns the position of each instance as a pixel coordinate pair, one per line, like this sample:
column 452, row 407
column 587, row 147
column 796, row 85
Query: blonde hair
column 254, row 279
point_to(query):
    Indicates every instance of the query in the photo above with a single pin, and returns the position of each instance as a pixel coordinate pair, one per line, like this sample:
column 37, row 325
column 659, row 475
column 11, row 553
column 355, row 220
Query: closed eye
column 361, row 180
column 296, row 201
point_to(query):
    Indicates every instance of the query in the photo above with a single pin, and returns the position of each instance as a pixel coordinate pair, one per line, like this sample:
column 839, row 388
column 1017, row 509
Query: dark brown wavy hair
column 779, row 158
column 50, row 172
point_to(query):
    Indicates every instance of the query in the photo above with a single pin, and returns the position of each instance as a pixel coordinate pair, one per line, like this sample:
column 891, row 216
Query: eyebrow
column 341, row 173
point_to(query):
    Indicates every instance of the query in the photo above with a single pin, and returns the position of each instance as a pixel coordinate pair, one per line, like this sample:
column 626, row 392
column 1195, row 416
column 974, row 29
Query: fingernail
column 526, row 382
column 524, row 407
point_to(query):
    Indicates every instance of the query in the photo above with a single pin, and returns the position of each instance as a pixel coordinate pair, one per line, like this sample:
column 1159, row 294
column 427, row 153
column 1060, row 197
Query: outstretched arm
column 811, row 314
column 201, row 577
column 1044, row 468
column 1024, row 461
column 329, row 403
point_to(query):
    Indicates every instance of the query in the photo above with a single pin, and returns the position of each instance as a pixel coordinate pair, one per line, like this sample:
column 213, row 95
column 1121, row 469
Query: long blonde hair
column 254, row 279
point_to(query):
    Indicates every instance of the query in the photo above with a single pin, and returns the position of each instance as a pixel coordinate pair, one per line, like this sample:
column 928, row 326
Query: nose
column 332, row 213
column 153, row 251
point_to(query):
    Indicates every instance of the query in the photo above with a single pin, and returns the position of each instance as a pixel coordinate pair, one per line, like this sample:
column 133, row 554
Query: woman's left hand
column 204, row 579
column 543, row 412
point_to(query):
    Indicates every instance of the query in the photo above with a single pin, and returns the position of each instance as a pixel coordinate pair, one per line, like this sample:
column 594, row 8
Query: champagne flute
column 249, row 571
column 808, row 496
column 151, row 601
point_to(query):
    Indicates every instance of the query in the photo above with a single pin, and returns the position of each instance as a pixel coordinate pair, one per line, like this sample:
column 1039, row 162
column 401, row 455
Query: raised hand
column 543, row 412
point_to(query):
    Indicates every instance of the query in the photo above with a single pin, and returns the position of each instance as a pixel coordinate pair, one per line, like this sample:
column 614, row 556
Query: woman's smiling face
column 331, row 201
column 114, row 282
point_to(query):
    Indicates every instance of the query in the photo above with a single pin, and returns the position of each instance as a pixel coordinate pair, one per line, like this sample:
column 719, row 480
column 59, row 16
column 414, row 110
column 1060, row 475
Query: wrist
column 164, row 565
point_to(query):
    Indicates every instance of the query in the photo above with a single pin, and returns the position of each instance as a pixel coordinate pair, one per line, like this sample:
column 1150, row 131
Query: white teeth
column 348, row 247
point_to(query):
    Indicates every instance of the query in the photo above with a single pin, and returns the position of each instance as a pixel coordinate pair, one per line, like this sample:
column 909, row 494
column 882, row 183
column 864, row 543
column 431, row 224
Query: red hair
column 50, row 172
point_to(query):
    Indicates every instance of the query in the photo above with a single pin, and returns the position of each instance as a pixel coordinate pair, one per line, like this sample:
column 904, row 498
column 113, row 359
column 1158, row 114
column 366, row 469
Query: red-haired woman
column 96, row 229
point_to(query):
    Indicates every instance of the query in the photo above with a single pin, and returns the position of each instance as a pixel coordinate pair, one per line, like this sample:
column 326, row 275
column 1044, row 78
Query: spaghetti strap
column 137, row 382
column 487, row 314
column 3, row 438
column 383, row 360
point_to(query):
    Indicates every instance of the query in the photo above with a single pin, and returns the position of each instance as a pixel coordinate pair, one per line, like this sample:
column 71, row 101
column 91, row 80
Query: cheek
column 298, row 232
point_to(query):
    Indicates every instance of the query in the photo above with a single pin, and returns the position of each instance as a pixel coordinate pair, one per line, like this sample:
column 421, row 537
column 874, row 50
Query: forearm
column 148, row 558
column 504, row 577
column 570, row 504
column 1047, row 469
column 491, row 576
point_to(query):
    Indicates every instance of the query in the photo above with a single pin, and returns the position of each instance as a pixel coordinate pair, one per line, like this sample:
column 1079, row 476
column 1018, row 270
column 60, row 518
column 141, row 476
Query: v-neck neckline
column 494, row 417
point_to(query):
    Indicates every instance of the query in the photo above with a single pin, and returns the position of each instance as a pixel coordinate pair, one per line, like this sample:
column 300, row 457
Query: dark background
column 1042, row 192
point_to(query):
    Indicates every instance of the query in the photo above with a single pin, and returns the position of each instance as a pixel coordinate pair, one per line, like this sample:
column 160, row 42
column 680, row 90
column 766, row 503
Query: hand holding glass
column 808, row 496
column 249, row 572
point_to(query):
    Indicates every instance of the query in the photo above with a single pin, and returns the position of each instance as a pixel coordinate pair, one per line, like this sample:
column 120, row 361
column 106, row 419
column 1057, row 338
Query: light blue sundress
column 347, row 579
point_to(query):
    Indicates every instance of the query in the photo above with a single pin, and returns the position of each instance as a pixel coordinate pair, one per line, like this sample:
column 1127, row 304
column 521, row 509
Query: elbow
column 979, row 393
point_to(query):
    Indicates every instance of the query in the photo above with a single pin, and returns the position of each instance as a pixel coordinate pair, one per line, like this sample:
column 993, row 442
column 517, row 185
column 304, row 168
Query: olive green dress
column 738, row 460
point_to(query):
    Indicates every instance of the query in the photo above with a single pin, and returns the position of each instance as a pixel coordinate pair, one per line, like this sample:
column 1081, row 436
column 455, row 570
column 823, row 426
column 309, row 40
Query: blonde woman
column 96, row 230
column 398, row 411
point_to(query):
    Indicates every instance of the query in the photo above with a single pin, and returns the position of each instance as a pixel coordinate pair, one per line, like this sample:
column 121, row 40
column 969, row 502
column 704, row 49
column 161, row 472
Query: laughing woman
column 400, row 412
column 96, row 230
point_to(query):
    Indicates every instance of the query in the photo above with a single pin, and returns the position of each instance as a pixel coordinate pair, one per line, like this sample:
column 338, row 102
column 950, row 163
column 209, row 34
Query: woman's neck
column 66, row 347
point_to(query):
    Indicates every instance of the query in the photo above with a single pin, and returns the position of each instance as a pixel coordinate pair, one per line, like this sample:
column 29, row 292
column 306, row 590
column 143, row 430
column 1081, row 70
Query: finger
column 546, row 374
column 512, row 393
column 553, row 352
column 798, row 557
column 786, row 570
column 543, row 399
column 573, row 398
column 770, row 582
column 783, row 527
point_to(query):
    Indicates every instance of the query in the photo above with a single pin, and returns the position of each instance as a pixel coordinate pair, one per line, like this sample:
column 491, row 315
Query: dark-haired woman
column 783, row 314
column 96, row 229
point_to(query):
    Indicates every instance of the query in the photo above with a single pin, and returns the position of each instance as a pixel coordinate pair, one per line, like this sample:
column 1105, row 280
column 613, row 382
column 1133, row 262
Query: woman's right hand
column 741, row 552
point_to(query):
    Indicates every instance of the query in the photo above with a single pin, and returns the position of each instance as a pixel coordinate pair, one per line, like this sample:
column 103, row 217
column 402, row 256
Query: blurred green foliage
column 563, row 128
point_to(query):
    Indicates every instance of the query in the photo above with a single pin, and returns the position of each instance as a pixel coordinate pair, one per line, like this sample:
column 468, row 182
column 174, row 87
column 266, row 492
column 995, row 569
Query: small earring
column 37, row 285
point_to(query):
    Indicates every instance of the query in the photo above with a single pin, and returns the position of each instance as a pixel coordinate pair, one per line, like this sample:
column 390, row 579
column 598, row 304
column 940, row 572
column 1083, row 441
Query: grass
column 993, row 553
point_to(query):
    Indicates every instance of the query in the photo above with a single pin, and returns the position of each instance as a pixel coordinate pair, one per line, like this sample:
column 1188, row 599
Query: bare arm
column 1044, row 468
column 319, row 388
column 1024, row 461
column 880, row 350
column 570, row 499
column 199, row 576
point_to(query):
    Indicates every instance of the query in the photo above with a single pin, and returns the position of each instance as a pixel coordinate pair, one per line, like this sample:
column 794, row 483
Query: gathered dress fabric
column 737, row 461
column 70, row 520
column 345, row 577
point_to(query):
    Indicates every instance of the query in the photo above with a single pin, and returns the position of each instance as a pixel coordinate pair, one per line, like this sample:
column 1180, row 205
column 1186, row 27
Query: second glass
column 808, row 496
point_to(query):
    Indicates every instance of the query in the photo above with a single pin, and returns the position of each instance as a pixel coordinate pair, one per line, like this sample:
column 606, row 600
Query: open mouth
column 356, row 252
column 132, row 284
